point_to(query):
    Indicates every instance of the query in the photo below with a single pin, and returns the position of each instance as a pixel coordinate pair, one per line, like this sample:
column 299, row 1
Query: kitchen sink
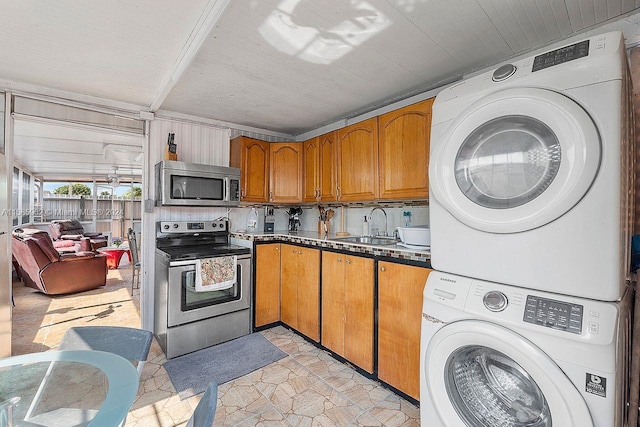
column 367, row 240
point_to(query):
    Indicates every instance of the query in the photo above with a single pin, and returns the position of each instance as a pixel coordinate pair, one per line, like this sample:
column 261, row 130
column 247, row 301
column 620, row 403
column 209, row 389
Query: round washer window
column 507, row 162
column 489, row 389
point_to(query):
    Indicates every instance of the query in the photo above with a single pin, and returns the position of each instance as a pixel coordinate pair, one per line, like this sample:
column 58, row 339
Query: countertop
column 312, row 238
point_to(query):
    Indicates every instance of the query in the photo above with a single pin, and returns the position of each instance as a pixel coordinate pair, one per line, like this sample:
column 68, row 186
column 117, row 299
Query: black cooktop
column 183, row 253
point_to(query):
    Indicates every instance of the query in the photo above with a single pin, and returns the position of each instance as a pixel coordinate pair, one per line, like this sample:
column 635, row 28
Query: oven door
column 185, row 305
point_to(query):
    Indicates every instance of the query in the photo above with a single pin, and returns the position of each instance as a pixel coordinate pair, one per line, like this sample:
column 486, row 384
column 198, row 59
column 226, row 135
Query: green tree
column 77, row 189
column 137, row 192
column 105, row 193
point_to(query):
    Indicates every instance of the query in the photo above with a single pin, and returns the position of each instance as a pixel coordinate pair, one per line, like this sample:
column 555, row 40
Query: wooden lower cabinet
column 300, row 289
column 400, row 289
column 347, row 307
column 267, row 293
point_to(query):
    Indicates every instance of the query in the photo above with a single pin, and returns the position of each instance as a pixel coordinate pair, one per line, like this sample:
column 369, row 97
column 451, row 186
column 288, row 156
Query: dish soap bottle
column 407, row 218
column 365, row 227
column 252, row 221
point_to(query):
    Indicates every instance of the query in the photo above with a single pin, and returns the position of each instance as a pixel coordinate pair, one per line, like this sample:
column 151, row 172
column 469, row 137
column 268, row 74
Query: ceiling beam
column 205, row 24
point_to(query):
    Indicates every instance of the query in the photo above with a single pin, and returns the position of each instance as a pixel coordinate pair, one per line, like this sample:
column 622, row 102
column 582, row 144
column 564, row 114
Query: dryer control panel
column 560, row 56
column 553, row 314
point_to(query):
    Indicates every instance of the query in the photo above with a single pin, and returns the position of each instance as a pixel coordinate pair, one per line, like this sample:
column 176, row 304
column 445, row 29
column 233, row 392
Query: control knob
column 495, row 301
column 166, row 226
column 175, row 225
column 503, row 73
column 214, row 225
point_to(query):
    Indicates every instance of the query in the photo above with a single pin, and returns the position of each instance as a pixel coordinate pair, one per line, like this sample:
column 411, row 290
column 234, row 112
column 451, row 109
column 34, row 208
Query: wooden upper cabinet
column 311, row 180
column 252, row 157
column 358, row 161
column 285, row 172
column 404, row 152
column 327, row 167
column 320, row 169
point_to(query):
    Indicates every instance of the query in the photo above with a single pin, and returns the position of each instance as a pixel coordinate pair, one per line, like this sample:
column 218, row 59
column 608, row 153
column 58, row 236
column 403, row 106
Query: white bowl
column 417, row 235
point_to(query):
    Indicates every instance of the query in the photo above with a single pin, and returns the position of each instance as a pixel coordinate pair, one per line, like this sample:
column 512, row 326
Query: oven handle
column 193, row 263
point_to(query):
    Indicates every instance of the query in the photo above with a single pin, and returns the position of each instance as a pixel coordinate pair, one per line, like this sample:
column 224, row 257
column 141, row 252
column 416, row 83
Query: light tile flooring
column 306, row 388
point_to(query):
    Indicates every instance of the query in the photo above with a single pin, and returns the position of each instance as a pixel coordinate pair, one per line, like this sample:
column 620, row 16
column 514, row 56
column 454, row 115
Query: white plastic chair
column 206, row 410
column 131, row 343
column 135, row 260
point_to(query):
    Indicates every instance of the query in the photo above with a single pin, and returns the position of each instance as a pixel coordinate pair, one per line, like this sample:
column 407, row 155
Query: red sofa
column 42, row 267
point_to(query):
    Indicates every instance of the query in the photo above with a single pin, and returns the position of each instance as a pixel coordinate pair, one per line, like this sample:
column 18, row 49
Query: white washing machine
column 495, row 356
column 530, row 172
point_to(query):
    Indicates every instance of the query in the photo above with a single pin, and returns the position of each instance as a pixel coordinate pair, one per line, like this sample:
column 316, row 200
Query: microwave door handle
column 227, row 189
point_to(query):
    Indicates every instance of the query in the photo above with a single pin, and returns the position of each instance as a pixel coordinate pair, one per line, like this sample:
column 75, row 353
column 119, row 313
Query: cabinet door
column 404, row 152
column 333, row 310
column 267, row 298
column 358, row 325
column 311, row 181
column 252, row 157
column 399, row 318
column 289, row 286
column 309, row 292
column 285, row 182
column 358, row 161
column 327, row 167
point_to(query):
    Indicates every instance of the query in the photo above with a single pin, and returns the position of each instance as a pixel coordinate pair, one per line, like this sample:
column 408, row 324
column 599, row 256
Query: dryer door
column 480, row 374
column 515, row 160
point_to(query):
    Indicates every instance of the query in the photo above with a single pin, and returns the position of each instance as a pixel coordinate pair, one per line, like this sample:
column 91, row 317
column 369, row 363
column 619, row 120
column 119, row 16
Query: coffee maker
column 269, row 219
column 294, row 219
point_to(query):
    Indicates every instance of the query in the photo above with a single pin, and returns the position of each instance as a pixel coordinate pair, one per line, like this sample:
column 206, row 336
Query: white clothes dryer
column 530, row 172
column 495, row 355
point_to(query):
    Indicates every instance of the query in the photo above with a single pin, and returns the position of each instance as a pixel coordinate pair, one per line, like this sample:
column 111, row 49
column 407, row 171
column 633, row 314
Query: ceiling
column 286, row 66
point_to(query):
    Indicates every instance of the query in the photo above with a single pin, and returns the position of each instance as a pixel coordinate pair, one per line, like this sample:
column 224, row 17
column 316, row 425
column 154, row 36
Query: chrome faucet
column 384, row 233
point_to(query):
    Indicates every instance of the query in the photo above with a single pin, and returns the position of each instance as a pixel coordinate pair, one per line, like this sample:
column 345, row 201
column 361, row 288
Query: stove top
column 188, row 240
column 185, row 253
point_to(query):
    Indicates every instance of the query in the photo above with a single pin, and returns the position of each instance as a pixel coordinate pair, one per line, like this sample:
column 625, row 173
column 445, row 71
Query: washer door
column 480, row 374
column 515, row 160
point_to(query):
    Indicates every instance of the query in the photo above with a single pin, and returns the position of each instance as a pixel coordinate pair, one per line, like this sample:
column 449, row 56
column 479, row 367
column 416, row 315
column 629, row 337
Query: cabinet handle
column 338, row 192
column 383, row 268
column 293, row 251
column 270, row 195
column 347, row 261
column 299, row 252
column 339, row 259
column 277, row 248
column 242, row 192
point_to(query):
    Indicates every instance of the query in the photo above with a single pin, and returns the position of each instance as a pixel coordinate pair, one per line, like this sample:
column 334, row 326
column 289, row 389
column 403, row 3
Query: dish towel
column 216, row 274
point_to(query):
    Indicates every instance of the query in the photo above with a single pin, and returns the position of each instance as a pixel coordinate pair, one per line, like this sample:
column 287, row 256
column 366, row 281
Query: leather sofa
column 42, row 267
column 64, row 231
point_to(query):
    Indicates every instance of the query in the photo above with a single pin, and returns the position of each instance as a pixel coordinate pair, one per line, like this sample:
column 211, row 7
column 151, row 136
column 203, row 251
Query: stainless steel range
column 186, row 318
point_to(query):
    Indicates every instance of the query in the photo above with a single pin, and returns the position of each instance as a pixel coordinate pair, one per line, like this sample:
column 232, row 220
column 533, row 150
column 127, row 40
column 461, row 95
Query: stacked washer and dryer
column 526, row 318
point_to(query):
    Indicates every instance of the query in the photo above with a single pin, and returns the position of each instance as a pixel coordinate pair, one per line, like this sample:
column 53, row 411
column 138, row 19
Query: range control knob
column 495, row 301
column 503, row 73
column 175, row 225
column 166, row 226
column 214, row 225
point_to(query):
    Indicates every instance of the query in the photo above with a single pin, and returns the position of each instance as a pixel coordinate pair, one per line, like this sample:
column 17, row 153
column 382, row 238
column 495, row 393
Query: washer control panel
column 554, row 314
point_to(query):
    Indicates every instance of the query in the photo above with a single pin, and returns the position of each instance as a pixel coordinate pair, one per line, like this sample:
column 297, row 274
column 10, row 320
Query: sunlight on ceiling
column 321, row 44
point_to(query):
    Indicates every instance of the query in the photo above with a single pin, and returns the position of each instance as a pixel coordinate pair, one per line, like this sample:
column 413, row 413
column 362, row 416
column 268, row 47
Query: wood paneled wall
column 634, row 66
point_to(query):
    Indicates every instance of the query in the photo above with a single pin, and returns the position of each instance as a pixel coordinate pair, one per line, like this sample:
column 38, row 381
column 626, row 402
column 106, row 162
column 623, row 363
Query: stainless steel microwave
column 193, row 184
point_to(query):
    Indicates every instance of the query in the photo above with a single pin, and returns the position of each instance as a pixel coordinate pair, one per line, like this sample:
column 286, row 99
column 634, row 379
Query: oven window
column 192, row 300
column 196, row 188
